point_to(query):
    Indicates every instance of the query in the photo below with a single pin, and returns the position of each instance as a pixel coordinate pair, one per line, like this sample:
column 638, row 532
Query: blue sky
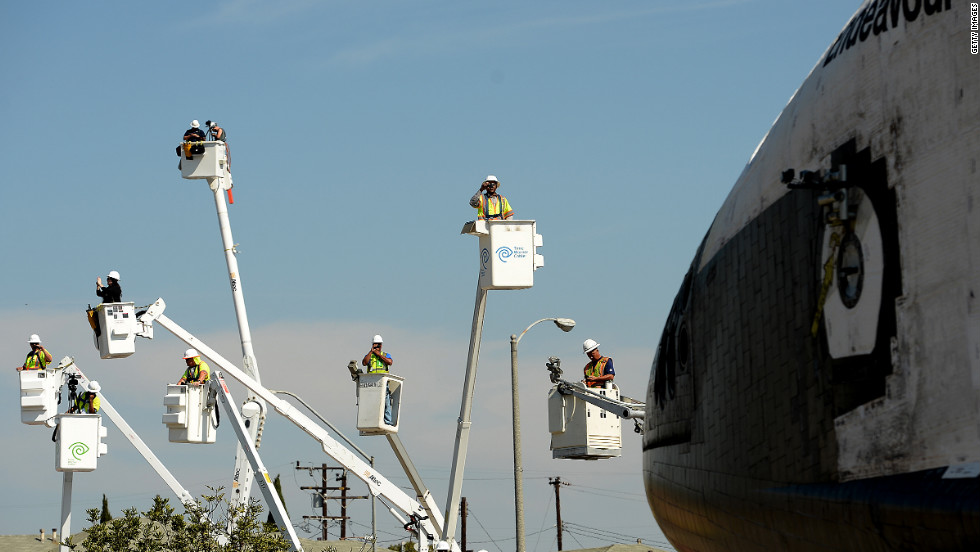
column 358, row 132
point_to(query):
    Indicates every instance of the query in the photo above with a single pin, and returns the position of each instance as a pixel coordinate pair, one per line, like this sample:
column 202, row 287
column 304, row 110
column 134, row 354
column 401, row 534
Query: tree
column 105, row 516
column 278, row 486
column 161, row 529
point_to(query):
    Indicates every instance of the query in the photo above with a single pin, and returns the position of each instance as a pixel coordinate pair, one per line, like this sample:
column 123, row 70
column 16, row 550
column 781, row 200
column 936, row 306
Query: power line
column 611, row 494
column 606, row 535
column 545, row 530
column 544, row 518
column 570, row 534
column 480, row 523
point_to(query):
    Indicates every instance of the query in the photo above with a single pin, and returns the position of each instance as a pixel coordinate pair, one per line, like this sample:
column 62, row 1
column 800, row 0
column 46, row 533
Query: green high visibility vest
column 375, row 365
column 83, row 400
column 194, row 372
column 35, row 361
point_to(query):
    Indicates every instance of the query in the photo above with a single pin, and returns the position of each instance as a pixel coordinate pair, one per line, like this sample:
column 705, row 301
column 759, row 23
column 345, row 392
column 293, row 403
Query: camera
column 554, row 366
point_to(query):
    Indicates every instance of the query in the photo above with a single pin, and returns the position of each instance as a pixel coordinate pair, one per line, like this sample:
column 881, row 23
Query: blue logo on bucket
column 504, row 253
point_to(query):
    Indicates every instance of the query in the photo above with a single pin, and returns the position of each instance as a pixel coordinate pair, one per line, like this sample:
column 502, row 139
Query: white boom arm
column 377, row 484
column 217, row 385
column 183, row 495
column 623, row 409
column 242, row 482
column 425, row 497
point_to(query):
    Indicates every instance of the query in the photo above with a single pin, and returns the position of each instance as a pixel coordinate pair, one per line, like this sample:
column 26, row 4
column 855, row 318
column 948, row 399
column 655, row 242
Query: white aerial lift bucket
column 39, row 395
column 188, row 416
column 79, row 443
column 117, row 325
column 371, row 403
column 580, row 430
column 213, row 163
column 507, row 252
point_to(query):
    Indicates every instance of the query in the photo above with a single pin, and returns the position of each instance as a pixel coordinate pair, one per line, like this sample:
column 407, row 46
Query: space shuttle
column 817, row 382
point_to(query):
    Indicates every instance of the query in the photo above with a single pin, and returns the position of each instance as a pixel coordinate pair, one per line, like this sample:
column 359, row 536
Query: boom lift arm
column 218, row 387
column 401, row 453
column 628, row 408
column 377, row 484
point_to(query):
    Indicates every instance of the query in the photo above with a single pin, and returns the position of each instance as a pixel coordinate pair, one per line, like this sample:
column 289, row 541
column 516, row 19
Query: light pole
column 565, row 324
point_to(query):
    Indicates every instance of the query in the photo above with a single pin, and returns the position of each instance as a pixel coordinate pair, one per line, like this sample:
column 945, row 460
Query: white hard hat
column 191, row 353
column 93, row 387
column 589, row 345
column 491, row 178
column 114, row 275
column 195, row 124
column 377, row 339
column 442, row 545
column 34, row 339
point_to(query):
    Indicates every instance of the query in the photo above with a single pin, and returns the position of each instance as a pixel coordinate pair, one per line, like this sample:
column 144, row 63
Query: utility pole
column 322, row 490
column 462, row 524
column 343, row 505
column 557, row 482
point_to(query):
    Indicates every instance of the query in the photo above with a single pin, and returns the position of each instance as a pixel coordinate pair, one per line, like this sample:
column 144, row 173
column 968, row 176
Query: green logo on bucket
column 78, row 449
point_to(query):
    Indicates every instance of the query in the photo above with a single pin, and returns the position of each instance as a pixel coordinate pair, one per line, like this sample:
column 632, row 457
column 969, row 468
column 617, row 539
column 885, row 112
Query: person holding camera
column 110, row 293
column 218, row 133
column 38, row 358
column 377, row 362
column 215, row 132
column 491, row 205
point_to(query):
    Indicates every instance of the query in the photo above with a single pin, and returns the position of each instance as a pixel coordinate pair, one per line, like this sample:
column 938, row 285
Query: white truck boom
column 428, row 527
column 218, row 387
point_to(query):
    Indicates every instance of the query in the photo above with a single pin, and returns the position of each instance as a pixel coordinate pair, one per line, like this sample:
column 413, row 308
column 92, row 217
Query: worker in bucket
column 111, row 292
column 197, row 372
column 218, row 133
column 191, row 136
column 87, row 402
column 599, row 370
column 488, row 203
column 215, row 132
column 378, row 362
column 38, row 358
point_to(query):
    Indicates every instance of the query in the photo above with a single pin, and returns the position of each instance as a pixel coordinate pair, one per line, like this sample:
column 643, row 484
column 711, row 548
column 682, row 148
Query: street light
column 565, row 324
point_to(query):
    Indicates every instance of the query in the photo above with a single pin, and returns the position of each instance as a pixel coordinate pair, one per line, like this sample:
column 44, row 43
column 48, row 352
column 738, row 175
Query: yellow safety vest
column 194, row 372
column 497, row 208
column 35, row 360
column 82, row 402
column 375, row 365
column 595, row 370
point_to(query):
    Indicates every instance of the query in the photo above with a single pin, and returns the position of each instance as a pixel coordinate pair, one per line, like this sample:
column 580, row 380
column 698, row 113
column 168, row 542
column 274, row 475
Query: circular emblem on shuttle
column 504, row 253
